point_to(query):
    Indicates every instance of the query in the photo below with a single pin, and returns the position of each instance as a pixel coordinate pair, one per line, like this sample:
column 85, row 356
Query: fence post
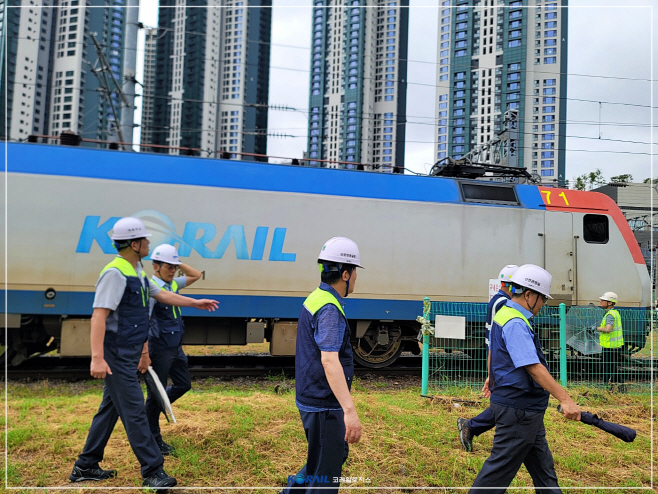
column 426, row 364
column 563, row 344
column 425, row 373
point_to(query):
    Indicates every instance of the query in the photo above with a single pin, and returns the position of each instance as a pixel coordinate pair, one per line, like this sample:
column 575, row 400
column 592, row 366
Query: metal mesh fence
column 571, row 345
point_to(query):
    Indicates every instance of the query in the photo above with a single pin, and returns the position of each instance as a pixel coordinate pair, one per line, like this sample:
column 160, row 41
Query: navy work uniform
column 166, row 352
column 125, row 333
column 322, row 327
column 485, row 421
column 518, row 404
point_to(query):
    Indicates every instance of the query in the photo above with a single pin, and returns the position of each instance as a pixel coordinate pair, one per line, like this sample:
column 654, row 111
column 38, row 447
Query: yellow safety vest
column 615, row 338
column 318, row 299
column 506, row 313
column 128, row 270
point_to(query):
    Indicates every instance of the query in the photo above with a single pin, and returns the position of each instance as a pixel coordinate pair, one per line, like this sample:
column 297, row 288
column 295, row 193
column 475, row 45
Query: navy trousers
column 122, row 397
column 612, row 360
column 327, row 452
column 520, row 439
column 482, row 423
column 170, row 362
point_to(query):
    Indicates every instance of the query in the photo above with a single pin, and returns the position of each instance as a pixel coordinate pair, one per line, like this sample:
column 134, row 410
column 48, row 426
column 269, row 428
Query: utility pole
column 101, row 74
column 129, row 70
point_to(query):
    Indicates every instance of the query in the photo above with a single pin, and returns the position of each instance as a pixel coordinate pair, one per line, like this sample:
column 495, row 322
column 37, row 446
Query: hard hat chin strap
column 535, row 304
column 139, row 250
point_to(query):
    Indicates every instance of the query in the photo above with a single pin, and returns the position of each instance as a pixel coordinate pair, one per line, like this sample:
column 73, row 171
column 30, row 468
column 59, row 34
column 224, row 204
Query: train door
column 559, row 255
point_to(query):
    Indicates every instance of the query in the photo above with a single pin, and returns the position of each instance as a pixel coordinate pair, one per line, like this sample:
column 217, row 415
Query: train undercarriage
column 376, row 344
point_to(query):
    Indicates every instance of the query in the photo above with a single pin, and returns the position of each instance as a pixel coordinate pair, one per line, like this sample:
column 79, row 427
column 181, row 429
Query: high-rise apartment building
column 148, row 92
column 497, row 55
column 357, row 107
column 212, row 65
column 51, row 84
column 25, row 67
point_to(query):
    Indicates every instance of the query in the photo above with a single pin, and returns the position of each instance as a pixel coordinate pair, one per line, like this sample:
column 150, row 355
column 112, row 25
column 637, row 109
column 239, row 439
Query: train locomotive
column 255, row 229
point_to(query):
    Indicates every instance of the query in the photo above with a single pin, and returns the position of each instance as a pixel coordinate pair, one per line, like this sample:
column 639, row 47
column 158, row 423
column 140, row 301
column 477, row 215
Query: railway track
column 452, row 365
column 75, row 369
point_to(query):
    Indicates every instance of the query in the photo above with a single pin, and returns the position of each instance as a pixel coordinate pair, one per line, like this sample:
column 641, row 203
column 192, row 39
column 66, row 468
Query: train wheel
column 379, row 347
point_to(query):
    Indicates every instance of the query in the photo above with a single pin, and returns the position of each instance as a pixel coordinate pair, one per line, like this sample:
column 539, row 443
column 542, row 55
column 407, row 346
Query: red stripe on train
column 578, row 201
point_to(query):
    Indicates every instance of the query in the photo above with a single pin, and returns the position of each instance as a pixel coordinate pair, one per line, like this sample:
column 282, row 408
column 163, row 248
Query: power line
column 308, row 48
column 262, row 132
column 363, row 116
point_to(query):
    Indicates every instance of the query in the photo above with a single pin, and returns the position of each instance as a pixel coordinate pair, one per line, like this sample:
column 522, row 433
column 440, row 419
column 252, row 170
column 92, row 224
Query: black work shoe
column 165, row 449
column 95, row 473
column 465, row 435
column 158, row 480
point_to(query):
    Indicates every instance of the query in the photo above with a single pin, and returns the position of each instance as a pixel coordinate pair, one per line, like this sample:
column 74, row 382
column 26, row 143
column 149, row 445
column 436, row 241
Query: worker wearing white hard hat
column 485, row 421
column 119, row 349
column 166, row 336
column 520, row 384
column 611, row 338
column 324, row 369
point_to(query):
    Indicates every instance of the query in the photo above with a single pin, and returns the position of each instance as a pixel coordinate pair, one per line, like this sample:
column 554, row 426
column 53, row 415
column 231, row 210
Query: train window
column 595, row 229
column 492, row 194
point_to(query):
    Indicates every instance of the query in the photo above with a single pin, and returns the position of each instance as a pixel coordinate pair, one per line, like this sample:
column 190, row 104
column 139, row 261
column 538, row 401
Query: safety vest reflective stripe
column 506, row 313
column 174, row 288
column 127, row 269
column 318, row 299
column 615, row 338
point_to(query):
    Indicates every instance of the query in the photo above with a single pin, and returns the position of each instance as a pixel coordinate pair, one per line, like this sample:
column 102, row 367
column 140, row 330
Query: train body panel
column 255, row 231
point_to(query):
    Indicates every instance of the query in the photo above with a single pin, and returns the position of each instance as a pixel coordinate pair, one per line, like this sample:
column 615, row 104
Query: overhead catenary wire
column 308, row 48
column 154, row 129
column 435, row 119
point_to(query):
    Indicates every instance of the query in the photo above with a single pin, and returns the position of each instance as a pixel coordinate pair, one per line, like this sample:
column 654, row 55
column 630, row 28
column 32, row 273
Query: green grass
column 233, row 434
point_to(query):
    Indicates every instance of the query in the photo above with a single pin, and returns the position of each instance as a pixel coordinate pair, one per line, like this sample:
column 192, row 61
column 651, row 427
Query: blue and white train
column 255, row 229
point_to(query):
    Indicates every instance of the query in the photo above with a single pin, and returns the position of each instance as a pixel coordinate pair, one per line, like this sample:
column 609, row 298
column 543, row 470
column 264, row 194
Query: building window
column 548, row 60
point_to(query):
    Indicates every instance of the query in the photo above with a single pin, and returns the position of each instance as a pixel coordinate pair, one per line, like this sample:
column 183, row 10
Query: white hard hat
column 533, row 277
column 129, row 228
column 507, row 272
column 166, row 253
column 341, row 250
column 610, row 297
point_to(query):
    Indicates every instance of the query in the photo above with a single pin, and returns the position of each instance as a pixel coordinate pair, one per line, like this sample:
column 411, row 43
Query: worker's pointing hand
column 206, row 304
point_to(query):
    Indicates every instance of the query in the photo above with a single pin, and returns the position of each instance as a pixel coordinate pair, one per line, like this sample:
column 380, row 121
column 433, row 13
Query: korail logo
column 159, row 226
column 249, row 244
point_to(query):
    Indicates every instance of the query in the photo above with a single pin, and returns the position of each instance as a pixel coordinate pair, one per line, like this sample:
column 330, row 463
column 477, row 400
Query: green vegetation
column 243, row 433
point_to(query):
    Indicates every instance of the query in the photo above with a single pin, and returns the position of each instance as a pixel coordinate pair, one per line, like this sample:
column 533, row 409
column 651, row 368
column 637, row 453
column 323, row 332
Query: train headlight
column 50, row 294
